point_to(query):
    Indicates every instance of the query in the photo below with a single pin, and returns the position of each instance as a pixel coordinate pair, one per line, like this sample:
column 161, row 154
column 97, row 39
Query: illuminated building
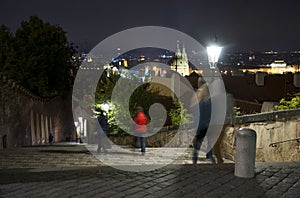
column 180, row 62
column 276, row 67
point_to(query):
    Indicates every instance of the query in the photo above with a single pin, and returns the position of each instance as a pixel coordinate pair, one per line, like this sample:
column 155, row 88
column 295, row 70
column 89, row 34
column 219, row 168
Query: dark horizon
column 240, row 26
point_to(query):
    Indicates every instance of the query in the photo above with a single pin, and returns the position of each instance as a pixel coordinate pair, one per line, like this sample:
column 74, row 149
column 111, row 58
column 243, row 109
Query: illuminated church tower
column 180, row 61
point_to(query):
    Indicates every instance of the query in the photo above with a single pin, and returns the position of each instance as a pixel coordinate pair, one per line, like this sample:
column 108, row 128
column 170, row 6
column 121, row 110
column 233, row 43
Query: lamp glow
column 213, row 55
column 105, row 107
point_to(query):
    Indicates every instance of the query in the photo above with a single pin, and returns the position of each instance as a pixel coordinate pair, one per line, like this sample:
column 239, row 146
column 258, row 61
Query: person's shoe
column 195, row 159
column 143, row 153
column 195, row 156
column 213, row 161
column 207, row 157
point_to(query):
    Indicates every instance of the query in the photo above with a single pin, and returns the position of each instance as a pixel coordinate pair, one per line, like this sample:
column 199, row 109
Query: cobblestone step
column 72, row 171
column 77, row 155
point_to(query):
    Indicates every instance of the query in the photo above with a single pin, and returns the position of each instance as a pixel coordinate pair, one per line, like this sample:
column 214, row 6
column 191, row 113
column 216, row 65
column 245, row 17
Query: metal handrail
column 274, row 144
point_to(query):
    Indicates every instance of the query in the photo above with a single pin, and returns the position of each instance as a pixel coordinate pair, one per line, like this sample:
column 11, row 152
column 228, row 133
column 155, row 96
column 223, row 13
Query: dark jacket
column 102, row 119
column 205, row 115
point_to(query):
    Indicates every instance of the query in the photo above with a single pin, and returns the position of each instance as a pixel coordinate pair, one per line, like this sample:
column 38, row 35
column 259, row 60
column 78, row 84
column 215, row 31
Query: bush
column 179, row 115
column 294, row 103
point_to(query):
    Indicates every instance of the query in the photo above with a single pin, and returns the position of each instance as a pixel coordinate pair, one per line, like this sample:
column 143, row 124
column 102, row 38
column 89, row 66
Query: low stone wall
column 164, row 138
column 26, row 119
column 158, row 140
column 270, row 127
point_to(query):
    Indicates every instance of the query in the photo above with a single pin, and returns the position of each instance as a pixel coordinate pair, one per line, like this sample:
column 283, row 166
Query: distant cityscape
column 230, row 63
column 256, row 80
column 272, row 62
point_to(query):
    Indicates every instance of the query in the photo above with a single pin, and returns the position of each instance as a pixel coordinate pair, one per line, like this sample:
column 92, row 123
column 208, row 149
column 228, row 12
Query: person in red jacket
column 140, row 128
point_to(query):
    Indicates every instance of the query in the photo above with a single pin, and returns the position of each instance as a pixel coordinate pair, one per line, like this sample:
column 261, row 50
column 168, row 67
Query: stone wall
column 168, row 136
column 270, row 127
column 26, row 119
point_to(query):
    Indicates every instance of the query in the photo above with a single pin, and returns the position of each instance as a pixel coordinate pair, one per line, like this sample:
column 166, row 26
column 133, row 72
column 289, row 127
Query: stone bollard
column 245, row 153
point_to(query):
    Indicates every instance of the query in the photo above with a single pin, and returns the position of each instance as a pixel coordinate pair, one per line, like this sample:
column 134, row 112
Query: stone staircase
column 74, row 155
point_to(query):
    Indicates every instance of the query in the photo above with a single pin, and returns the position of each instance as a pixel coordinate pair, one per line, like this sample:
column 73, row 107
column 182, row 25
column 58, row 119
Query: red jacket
column 141, row 122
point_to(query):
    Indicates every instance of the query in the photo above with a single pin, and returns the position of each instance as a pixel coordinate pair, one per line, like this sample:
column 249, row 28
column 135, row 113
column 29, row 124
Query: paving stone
column 270, row 182
column 74, row 172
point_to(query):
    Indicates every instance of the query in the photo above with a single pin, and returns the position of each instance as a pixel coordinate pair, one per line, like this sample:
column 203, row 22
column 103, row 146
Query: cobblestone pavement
column 71, row 171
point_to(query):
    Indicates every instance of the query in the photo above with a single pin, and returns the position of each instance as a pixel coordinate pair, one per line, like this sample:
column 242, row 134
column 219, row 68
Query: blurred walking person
column 140, row 128
column 102, row 143
column 204, row 121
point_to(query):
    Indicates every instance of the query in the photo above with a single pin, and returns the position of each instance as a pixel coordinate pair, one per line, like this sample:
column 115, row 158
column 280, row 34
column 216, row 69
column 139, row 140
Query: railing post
column 245, row 153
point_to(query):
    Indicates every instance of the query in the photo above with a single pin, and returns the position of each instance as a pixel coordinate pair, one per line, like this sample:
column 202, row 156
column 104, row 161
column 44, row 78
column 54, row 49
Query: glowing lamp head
column 213, row 55
column 105, row 107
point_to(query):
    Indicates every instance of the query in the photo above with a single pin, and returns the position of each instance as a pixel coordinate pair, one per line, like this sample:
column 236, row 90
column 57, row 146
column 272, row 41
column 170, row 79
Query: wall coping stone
column 268, row 116
column 20, row 89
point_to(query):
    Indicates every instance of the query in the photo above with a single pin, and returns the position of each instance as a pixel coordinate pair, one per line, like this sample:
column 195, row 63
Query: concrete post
column 245, row 153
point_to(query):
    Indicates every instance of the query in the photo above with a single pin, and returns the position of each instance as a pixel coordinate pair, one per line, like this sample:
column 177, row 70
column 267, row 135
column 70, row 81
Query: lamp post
column 213, row 53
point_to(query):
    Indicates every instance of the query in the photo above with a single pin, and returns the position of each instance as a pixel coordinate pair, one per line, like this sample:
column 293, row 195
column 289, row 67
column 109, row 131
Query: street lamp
column 105, row 107
column 213, row 53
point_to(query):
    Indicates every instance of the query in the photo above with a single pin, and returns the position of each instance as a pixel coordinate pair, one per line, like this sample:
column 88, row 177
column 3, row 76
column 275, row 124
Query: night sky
column 240, row 25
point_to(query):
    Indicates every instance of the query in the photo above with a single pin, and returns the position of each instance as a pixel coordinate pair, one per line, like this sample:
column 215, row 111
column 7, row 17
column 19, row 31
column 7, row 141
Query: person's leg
column 143, row 145
column 135, row 141
column 99, row 143
column 105, row 143
column 210, row 156
column 209, row 151
column 197, row 145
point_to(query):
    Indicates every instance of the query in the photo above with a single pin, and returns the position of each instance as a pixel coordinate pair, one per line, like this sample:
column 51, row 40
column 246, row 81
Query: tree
column 7, row 53
column 179, row 115
column 143, row 96
column 42, row 59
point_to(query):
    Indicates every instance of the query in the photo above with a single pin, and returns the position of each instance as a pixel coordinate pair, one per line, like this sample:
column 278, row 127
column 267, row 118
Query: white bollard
column 245, row 153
